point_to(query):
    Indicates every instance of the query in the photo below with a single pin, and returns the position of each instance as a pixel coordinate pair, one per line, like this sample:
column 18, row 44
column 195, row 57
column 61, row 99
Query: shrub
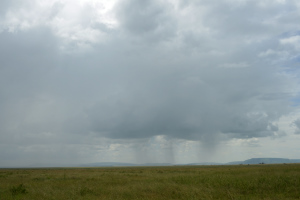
column 84, row 191
column 20, row 189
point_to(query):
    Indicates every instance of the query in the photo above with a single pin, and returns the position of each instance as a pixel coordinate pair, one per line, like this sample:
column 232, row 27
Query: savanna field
column 280, row 181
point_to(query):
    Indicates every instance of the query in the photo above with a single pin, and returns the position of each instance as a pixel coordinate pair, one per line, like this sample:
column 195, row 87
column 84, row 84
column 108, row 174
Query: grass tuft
column 20, row 189
column 85, row 191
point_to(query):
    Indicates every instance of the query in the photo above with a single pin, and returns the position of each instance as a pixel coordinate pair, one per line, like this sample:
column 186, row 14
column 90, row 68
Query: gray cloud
column 202, row 76
column 189, row 106
column 296, row 123
column 150, row 20
column 5, row 5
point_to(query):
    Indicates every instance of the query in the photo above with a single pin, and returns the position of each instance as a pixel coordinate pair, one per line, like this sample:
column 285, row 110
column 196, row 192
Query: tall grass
column 178, row 182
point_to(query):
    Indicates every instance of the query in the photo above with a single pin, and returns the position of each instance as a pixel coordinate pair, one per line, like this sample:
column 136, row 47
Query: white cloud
column 79, row 23
column 293, row 41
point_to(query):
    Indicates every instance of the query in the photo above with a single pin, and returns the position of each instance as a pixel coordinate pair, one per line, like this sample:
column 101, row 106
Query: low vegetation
column 177, row 182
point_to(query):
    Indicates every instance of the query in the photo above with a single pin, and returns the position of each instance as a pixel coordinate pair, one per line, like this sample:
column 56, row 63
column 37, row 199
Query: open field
column 178, row 182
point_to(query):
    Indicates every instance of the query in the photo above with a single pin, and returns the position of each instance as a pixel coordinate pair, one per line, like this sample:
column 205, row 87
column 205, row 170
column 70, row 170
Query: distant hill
column 120, row 164
column 235, row 163
column 245, row 162
column 107, row 164
column 205, row 163
column 270, row 161
column 265, row 161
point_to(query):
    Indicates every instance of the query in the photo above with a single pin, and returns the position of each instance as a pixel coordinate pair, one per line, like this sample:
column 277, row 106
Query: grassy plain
column 176, row 182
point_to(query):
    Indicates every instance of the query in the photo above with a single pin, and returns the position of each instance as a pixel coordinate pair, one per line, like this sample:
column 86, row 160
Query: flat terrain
column 178, row 182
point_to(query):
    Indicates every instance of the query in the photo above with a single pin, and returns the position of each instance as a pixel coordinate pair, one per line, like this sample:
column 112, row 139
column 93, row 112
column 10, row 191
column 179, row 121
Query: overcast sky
column 136, row 81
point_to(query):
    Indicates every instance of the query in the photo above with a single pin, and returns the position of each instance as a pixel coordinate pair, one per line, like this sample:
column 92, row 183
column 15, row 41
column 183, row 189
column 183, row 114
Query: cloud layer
column 203, row 71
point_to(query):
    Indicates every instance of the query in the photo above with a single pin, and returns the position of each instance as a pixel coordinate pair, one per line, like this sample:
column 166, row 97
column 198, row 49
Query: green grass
column 178, row 182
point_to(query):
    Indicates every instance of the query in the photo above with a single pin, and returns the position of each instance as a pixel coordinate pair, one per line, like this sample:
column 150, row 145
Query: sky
column 152, row 81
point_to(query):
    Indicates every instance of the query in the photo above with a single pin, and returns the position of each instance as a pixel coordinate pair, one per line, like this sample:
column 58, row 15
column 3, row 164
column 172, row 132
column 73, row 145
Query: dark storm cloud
column 189, row 105
column 192, row 78
column 198, row 95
